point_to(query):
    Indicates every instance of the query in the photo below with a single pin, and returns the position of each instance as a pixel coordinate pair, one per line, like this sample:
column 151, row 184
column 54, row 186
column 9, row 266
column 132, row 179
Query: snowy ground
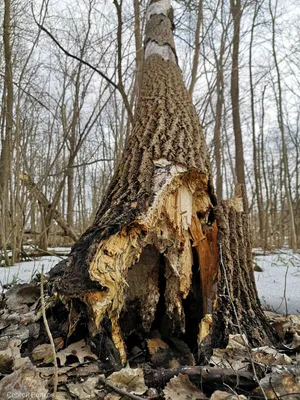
column 25, row 271
column 278, row 284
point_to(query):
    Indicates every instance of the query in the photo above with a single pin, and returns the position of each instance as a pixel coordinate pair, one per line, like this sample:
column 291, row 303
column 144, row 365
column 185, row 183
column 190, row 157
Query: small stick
column 55, row 375
column 120, row 391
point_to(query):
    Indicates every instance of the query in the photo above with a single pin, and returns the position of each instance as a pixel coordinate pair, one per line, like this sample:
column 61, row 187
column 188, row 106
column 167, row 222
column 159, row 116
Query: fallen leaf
column 220, row 395
column 112, row 396
column 42, row 352
column 174, row 364
column 129, row 379
column 295, row 344
column 63, row 396
column 160, row 352
column 25, row 380
column 79, row 349
column 280, row 382
column 181, row 388
column 47, row 372
column 155, row 345
column 20, row 295
column 84, row 370
column 284, row 324
column 85, row 390
column 268, row 356
column 234, row 355
column 10, row 358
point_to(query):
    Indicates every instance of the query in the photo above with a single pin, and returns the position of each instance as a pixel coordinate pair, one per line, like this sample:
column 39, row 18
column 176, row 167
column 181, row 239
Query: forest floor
column 164, row 369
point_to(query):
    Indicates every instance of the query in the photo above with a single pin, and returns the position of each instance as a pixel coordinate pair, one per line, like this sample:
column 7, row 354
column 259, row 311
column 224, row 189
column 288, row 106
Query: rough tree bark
column 161, row 254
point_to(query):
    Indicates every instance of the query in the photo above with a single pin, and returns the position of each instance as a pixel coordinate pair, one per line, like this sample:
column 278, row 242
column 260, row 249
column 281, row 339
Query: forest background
column 64, row 124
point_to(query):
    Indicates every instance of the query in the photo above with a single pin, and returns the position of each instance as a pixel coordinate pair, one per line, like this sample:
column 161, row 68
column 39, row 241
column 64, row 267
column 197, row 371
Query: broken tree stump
column 162, row 255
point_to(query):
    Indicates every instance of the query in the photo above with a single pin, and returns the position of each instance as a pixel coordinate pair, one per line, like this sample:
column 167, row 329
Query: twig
column 118, row 86
column 55, row 375
column 120, row 391
column 272, row 387
column 284, row 291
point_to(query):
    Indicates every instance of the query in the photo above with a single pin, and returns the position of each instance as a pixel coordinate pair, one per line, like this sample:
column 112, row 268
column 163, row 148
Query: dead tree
column 161, row 254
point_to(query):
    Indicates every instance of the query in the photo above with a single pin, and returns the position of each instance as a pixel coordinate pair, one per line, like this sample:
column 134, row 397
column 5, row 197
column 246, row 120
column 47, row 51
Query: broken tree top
column 151, row 254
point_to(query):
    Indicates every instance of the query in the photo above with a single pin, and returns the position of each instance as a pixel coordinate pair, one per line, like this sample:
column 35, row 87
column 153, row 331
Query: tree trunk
column 5, row 156
column 218, row 117
column 285, row 159
column 236, row 11
column 256, row 163
column 160, row 254
column 197, row 47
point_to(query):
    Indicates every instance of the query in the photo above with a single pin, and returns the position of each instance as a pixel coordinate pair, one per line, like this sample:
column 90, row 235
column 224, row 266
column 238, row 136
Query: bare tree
column 6, row 133
column 279, row 100
column 236, row 11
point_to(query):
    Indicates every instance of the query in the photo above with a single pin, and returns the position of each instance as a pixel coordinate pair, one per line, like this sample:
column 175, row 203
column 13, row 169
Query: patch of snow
column 23, row 272
column 278, row 284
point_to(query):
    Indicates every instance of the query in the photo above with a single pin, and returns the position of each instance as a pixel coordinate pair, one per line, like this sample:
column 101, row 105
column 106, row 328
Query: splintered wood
column 128, row 264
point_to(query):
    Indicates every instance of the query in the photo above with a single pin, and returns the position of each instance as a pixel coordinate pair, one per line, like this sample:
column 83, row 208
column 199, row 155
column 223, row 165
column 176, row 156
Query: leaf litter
column 26, row 362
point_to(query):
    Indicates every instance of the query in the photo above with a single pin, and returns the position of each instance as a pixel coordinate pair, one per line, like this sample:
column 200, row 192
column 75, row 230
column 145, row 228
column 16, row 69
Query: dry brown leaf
column 181, row 388
column 130, row 379
column 42, row 352
column 84, row 370
column 155, row 345
column 295, row 322
column 220, row 395
column 284, row 324
column 233, row 356
column 79, row 349
column 10, row 358
column 63, row 396
column 268, row 356
column 174, row 364
column 112, row 396
column 295, row 344
column 236, row 355
column 85, row 390
column 25, row 380
column 281, row 383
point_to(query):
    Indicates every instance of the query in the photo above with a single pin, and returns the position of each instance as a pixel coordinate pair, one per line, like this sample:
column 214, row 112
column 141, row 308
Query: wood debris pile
column 158, row 368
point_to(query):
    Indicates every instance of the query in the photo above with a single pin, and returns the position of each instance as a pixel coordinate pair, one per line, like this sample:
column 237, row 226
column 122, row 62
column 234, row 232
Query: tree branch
column 118, row 86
